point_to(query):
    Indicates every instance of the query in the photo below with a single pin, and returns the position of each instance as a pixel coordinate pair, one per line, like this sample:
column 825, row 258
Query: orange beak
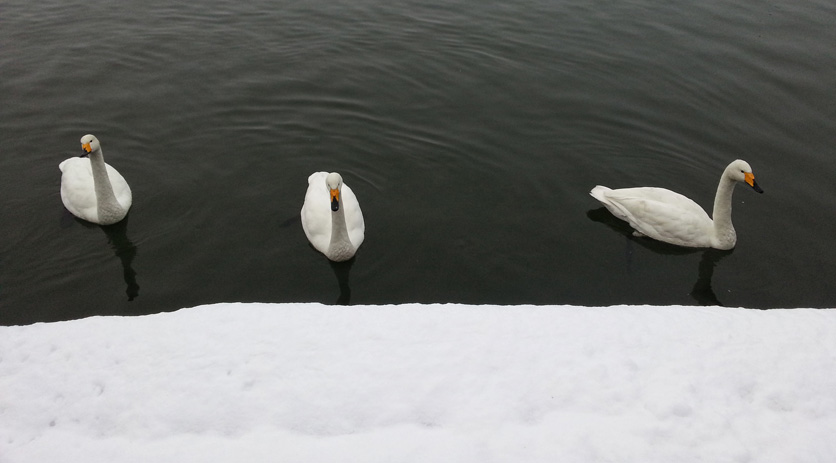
column 335, row 200
column 750, row 179
column 86, row 147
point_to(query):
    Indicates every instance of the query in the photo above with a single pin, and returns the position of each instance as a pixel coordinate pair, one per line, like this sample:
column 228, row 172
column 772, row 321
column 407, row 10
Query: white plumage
column 331, row 217
column 93, row 190
column 667, row 216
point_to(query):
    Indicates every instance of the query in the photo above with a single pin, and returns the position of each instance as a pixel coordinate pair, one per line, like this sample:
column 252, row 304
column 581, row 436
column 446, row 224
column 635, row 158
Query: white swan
column 331, row 217
column 92, row 190
column 671, row 217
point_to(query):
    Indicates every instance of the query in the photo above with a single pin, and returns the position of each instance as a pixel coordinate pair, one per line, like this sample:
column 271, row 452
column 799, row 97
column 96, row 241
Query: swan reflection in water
column 702, row 292
column 341, row 270
column 123, row 248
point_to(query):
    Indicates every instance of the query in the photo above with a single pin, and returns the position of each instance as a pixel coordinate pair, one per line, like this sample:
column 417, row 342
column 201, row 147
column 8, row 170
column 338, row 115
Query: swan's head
column 740, row 171
column 335, row 183
column 89, row 143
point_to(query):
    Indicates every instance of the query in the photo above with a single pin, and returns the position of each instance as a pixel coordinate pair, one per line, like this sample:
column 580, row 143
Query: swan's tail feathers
column 598, row 193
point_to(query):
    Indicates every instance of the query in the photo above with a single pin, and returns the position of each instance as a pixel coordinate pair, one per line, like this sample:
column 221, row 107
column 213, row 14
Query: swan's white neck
column 724, row 234
column 108, row 208
column 340, row 248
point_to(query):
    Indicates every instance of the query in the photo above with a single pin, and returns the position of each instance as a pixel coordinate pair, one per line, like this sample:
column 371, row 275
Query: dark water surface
column 471, row 132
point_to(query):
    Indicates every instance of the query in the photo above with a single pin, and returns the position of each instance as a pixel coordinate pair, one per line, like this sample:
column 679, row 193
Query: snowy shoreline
column 309, row 382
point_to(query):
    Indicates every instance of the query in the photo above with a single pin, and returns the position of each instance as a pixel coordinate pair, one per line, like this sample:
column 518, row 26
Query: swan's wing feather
column 77, row 191
column 316, row 213
column 666, row 196
column 662, row 214
column 317, row 177
column 354, row 222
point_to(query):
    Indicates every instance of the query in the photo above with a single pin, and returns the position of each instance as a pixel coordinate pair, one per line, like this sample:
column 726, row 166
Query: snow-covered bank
column 314, row 383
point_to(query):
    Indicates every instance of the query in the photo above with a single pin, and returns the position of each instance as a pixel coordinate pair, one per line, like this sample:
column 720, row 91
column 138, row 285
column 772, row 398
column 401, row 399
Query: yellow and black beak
column 86, row 148
column 750, row 179
column 335, row 200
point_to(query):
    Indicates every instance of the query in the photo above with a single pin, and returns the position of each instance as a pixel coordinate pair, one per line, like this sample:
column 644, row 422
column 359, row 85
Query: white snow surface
column 423, row 383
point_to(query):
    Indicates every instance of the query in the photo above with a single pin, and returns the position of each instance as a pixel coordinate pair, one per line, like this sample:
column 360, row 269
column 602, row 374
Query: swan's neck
column 724, row 234
column 108, row 207
column 340, row 248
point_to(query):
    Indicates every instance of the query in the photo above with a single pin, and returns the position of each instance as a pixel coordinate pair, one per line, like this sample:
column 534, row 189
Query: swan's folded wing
column 77, row 192
column 354, row 222
column 316, row 218
column 668, row 217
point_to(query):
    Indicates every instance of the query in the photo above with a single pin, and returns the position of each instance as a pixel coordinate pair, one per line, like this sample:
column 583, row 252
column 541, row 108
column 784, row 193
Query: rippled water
column 471, row 132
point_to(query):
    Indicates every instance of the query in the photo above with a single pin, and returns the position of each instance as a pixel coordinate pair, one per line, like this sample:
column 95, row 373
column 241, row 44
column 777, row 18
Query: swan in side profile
column 92, row 190
column 666, row 216
column 331, row 217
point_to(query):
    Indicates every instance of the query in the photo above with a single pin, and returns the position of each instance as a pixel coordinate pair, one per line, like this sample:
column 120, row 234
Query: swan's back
column 658, row 213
